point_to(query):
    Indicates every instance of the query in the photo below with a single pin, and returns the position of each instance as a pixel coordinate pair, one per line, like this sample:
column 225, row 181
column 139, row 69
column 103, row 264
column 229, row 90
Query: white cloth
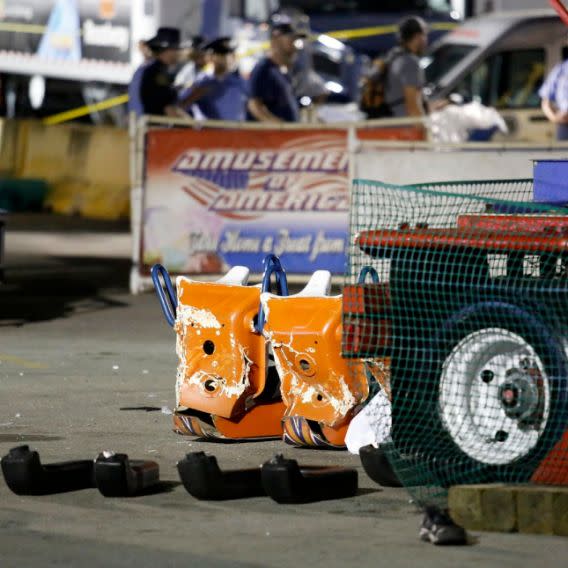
column 371, row 426
column 340, row 113
column 453, row 123
column 186, row 76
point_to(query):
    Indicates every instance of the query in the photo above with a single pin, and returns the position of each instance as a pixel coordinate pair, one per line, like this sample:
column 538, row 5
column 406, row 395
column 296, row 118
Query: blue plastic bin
column 551, row 181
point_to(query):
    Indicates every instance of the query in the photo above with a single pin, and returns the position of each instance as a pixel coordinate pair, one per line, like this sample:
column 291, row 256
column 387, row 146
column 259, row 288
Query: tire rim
column 494, row 396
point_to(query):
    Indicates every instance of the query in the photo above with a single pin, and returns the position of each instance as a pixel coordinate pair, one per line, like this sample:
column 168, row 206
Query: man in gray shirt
column 405, row 77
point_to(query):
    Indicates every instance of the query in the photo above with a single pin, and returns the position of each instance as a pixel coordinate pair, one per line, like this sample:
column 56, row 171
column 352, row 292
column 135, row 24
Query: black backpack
column 373, row 102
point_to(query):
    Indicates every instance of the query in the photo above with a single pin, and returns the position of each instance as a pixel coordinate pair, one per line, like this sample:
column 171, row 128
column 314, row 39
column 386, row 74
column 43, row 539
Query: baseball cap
column 165, row 38
column 221, row 45
column 283, row 25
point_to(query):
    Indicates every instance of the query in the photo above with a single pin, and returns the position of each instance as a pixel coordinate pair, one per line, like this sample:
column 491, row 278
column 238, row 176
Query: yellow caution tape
column 382, row 30
column 362, row 32
column 84, row 110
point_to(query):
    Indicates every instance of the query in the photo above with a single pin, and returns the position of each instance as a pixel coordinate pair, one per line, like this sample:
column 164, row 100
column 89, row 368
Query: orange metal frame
column 223, row 365
column 317, row 384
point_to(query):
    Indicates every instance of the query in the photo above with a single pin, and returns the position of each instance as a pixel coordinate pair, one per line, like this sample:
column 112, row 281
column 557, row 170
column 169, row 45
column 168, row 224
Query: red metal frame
column 533, row 224
column 368, row 241
column 558, row 5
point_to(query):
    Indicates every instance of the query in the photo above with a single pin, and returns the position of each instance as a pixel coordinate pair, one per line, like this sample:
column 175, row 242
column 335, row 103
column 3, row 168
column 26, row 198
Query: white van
column 501, row 60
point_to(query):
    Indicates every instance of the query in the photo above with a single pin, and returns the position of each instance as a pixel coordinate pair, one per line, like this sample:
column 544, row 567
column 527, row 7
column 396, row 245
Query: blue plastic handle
column 272, row 266
column 167, row 302
column 365, row 271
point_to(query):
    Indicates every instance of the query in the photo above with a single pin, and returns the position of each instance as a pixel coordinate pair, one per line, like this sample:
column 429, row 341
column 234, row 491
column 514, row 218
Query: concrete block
column 483, row 507
column 535, row 509
column 542, row 510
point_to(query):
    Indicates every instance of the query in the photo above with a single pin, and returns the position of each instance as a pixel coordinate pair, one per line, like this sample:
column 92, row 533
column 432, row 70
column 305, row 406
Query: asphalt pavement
column 86, row 367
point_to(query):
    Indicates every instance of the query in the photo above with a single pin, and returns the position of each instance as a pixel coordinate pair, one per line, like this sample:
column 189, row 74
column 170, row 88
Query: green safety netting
column 465, row 293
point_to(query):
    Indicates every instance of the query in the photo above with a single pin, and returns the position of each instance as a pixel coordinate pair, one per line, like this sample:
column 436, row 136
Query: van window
column 506, row 80
column 442, row 59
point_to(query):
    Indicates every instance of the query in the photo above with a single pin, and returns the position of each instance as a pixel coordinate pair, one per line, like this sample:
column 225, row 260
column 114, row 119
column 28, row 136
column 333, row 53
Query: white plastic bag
column 454, row 122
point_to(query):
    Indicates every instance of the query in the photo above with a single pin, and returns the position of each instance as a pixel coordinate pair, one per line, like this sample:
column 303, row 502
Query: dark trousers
column 562, row 132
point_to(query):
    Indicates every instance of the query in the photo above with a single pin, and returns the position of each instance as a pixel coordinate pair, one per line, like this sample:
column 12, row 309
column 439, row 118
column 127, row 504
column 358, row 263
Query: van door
column 509, row 80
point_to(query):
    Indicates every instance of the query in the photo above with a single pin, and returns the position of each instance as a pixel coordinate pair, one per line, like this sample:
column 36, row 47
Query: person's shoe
column 438, row 528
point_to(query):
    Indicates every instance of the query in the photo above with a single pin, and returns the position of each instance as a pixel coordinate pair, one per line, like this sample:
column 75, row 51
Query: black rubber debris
column 286, row 482
column 204, row 479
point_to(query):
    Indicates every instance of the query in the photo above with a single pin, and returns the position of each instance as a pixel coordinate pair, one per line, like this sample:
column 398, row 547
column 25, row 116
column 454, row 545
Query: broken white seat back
column 237, row 276
column 318, row 286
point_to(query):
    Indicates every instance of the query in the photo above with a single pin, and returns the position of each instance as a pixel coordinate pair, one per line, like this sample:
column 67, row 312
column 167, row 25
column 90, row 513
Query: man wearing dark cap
column 272, row 98
column 405, row 77
column 223, row 94
column 150, row 90
column 194, row 60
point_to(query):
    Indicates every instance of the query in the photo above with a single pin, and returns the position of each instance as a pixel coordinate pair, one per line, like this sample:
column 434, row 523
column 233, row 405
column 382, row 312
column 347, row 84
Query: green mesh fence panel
column 470, row 308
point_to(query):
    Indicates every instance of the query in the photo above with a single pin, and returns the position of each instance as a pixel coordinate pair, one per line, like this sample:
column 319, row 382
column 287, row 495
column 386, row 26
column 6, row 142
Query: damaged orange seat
column 224, row 386
column 319, row 388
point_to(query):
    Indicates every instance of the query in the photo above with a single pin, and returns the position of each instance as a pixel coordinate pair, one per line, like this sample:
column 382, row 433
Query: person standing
column 404, row 77
column 271, row 94
column 221, row 95
column 194, row 62
column 151, row 90
column 554, row 99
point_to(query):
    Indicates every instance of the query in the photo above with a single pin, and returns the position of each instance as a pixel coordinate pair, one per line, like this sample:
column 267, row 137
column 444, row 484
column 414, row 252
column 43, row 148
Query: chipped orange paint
column 335, row 436
column 261, row 421
column 316, row 382
column 222, row 360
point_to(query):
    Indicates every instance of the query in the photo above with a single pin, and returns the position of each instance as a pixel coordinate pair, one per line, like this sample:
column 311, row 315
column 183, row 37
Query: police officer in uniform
column 151, row 90
column 221, row 95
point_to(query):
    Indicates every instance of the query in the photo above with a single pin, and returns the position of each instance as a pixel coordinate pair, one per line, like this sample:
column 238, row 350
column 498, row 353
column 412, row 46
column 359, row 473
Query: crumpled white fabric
column 348, row 112
column 453, row 122
column 371, row 426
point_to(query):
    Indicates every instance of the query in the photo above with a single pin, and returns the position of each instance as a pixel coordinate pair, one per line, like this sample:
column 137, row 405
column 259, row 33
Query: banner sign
column 66, row 30
column 85, row 40
column 219, row 198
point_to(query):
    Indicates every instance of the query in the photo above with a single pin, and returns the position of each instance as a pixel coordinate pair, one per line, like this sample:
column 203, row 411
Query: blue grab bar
column 272, row 266
column 167, row 297
column 368, row 271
